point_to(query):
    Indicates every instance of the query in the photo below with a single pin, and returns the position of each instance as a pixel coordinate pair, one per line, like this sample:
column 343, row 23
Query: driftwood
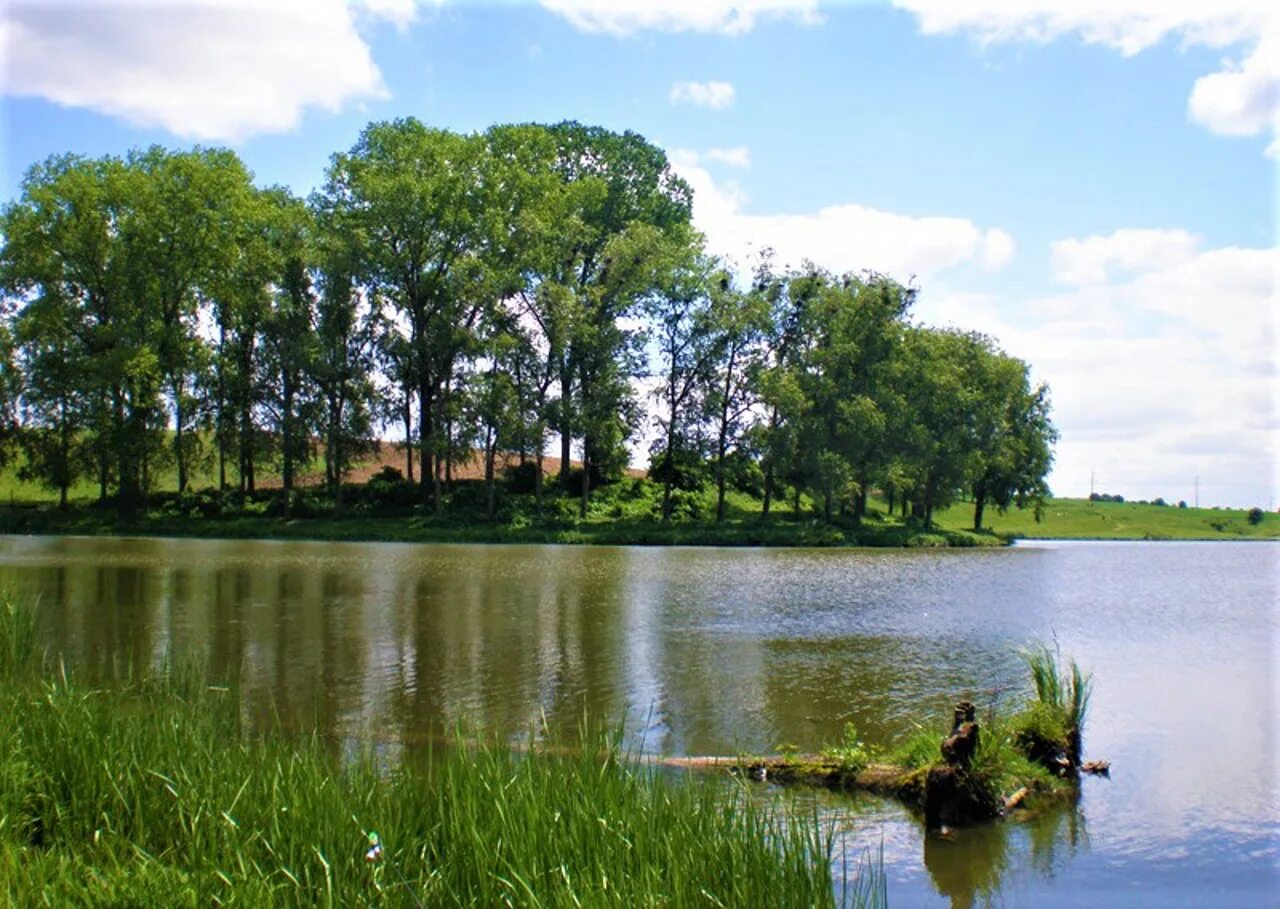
column 949, row 793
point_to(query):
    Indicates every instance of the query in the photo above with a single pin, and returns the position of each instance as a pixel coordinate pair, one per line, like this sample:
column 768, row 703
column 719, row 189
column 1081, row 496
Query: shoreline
column 739, row 534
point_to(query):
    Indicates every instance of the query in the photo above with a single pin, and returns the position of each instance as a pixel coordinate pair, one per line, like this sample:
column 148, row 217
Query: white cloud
column 624, row 17
column 715, row 95
column 401, row 12
column 839, row 237
column 738, row 156
column 1158, row 376
column 1094, row 259
column 204, row 69
column 1242, row 99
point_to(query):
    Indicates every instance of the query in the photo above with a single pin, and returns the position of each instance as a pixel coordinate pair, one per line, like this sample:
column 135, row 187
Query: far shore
column 1060, row 519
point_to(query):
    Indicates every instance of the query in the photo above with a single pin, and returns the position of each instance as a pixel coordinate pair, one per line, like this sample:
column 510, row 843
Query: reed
column 1065, row 691
column 152, row 793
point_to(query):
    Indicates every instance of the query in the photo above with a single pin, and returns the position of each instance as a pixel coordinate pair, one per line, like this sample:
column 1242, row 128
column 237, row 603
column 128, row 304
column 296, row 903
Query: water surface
column 713, row 651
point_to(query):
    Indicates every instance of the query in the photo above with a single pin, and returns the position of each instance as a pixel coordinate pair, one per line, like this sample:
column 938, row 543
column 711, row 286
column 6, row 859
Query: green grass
column 1081, row 519
column 623, row 513
column 150, row 793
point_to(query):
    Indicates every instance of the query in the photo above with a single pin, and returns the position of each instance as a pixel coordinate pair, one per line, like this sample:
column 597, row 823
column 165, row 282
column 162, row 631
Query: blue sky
column 1094, row 184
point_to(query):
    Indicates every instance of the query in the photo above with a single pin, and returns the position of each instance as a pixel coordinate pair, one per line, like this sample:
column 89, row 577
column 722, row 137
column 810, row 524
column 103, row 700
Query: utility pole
column 1091, row 486
column 1197, row 492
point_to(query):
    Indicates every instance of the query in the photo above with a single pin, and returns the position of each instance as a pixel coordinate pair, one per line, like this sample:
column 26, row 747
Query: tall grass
column 151, row 793
column 1065, row 691
column 18, row 639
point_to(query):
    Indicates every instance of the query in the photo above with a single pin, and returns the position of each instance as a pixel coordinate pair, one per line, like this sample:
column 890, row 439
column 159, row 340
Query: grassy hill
column 1081, row 519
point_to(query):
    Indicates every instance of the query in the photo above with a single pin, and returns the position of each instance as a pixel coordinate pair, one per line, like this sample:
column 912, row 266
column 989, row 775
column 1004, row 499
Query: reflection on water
column 715, row 651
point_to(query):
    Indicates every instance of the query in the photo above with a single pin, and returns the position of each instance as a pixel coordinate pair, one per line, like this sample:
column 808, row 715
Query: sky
column 1092, row 182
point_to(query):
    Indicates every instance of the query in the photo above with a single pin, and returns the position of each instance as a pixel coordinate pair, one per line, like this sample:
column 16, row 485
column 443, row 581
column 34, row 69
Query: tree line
column 490, row 291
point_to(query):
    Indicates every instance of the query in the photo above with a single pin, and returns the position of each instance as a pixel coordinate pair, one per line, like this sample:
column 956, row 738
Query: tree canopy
column 489, row 291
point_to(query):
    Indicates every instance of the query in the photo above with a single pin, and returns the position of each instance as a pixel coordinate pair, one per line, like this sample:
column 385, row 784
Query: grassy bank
column 627, row 512
column 1081, row 519
column 623, row 513
column 151, row 794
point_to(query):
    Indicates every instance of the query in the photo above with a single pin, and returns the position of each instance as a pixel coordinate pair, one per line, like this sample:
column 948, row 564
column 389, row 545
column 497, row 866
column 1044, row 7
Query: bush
column 1255, row 516
column 522, row 478
column 388, row 474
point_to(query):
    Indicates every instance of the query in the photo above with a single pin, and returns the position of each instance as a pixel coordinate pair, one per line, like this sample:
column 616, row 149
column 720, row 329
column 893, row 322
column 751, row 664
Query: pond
column 721, row 651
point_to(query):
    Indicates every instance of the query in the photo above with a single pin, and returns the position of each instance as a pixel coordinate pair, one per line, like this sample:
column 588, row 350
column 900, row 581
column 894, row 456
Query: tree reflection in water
column 969, row 866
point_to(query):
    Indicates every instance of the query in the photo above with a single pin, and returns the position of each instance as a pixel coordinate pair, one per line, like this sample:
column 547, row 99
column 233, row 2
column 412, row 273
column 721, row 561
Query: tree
column 289, row 339
column 938, row 395
column 738, row 323
column 77, row 234
column 343, row 357
column 1013, row 433
column 184, row 236
column 53, row 363
column 855, row 324
column 408, row 194
column 621, row 204
column 686, row 346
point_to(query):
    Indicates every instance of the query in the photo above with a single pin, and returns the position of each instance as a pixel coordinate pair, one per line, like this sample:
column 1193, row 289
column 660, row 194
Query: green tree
column 680, row 313
column 289, row 339
column 184, row 236
column 53, row 363
column 343, row 361
column 622, row 204
column 78, row 233
column 738, row 323
column 408, row 195
column 1014, row 434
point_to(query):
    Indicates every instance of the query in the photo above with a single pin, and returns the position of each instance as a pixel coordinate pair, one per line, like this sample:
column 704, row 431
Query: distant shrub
column 1160, row 502
column 1255, row 516
column 1182, row 503
column 388, row 474
column 522, row 478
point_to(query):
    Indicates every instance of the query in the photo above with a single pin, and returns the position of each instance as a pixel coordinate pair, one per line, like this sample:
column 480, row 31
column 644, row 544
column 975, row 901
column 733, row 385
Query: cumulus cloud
column 1093, row 259
column 715, row 95
column 203, row 69
column 731, row 17
column 847, row 237
column 1160, row 374
column 1242, row 99
column 738, row 156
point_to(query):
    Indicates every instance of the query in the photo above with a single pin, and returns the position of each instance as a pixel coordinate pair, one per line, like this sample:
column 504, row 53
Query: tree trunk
column 179, row 450
column 127, row 502
column 537, row 480
column 103, row 469
column 566, row 454
column 586, row 482
column 490, row 450
column 565, row 422
column 430, row 476
column 286, row 441
column 768, row 490
column 721, row 446
column 669, row 479
column 889, row 495
column 979, row 505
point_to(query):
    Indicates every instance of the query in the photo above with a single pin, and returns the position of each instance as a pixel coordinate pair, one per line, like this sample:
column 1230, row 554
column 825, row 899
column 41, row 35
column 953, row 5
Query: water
column 708, row 651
